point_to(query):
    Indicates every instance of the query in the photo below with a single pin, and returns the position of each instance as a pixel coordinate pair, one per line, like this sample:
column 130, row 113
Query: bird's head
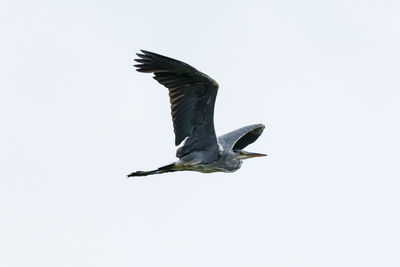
column 241, row 154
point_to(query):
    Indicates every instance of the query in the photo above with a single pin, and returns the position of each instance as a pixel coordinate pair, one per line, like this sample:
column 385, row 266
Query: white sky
column 323, row 76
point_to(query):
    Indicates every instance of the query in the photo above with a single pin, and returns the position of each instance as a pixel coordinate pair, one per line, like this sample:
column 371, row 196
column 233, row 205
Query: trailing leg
column 164, row 169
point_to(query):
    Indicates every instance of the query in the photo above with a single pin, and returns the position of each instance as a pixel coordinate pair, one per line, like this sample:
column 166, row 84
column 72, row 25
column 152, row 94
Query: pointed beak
column 247, row 155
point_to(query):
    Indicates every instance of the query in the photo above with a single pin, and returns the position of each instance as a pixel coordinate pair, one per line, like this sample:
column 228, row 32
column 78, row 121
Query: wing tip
column 148, row 53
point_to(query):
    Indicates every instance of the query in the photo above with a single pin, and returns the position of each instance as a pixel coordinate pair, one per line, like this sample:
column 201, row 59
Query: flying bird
column 192, row 95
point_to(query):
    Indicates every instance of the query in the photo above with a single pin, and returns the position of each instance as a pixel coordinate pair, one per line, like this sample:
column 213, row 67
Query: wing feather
column 241, row 137
column 192, row 97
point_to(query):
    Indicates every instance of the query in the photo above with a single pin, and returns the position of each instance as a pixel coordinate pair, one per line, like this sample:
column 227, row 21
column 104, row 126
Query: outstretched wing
column 192, row 96
column 241, row 138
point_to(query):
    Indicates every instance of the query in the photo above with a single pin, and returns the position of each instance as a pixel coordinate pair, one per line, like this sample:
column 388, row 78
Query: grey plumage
column 241, row 137
column 192, row 97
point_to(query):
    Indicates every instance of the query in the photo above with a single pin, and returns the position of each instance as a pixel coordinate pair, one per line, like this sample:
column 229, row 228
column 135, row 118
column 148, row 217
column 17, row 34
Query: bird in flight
column 192, row 95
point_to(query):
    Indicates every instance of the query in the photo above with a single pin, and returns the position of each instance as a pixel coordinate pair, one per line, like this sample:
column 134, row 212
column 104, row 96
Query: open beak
column 247, row 155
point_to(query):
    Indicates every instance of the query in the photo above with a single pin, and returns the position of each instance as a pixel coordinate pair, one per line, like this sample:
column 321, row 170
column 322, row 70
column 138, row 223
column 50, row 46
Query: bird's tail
column 164, row 169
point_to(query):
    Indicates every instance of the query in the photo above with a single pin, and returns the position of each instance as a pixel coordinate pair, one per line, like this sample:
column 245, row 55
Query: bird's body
column 192, row 96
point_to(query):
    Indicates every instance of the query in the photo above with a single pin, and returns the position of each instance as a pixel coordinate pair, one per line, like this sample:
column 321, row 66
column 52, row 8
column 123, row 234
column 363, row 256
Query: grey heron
column 192, row 95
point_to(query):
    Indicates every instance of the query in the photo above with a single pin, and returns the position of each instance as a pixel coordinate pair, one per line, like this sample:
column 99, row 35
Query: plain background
column 323, row 76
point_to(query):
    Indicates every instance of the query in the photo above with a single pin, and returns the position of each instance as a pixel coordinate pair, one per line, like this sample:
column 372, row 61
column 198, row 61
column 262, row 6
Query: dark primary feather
column 241, row 138
column 192, row 96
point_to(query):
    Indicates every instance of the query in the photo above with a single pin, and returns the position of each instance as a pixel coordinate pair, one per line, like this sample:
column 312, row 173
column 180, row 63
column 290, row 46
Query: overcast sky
column 76, row 118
